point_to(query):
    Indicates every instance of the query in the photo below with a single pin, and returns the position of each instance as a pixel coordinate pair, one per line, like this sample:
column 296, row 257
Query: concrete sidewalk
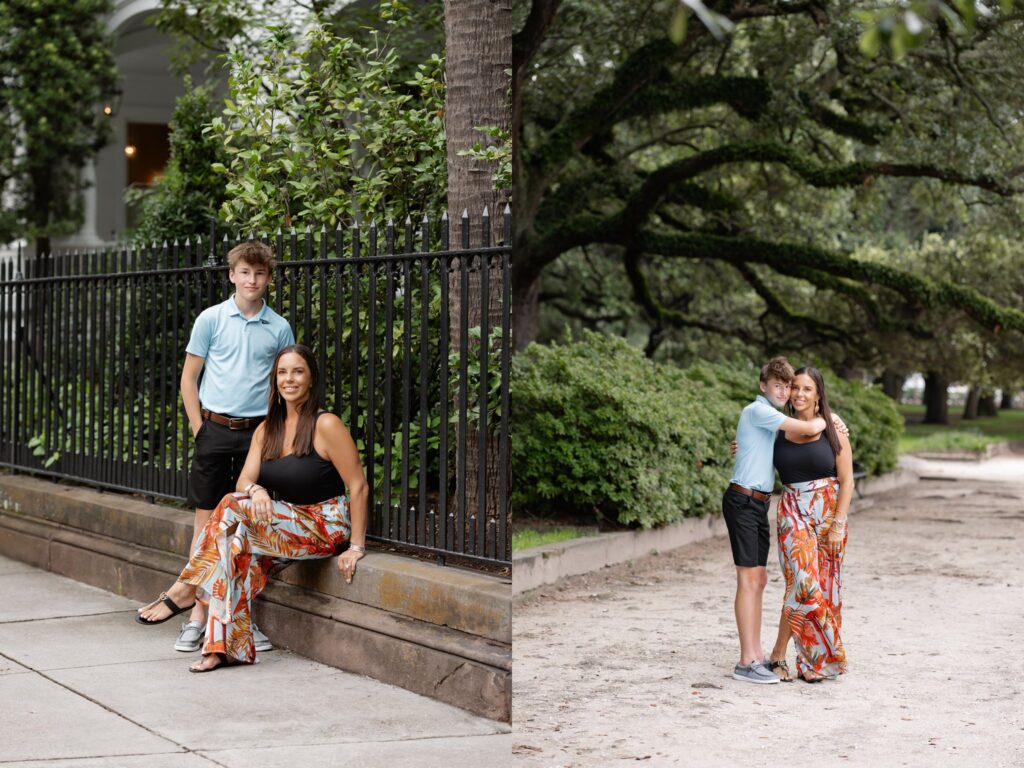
column 83, row 686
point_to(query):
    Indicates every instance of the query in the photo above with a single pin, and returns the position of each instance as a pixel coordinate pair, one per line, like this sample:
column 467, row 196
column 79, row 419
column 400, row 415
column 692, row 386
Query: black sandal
column 175, row 610
column 780, row 664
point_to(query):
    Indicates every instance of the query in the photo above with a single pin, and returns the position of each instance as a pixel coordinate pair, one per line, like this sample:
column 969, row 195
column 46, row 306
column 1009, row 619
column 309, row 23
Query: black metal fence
column 413, row 339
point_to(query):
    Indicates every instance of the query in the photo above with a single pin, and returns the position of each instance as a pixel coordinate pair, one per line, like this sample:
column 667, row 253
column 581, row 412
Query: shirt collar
column 234, row 310
column 766, row 401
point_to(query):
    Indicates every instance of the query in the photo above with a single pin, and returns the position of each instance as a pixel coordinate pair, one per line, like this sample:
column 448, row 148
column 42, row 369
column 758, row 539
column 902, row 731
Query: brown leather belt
column 748, row 492
column 231, row 422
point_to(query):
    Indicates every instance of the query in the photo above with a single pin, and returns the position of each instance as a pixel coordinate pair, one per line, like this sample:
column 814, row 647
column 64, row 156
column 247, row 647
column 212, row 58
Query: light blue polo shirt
column 239, row 354
column 755, row 436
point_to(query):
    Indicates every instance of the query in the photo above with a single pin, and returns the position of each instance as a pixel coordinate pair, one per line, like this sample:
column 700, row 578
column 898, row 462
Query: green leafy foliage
column 601, row 428
column 498, row 151
column 874, row 421
column 56, row 68
column 908, row 25
column 326, row 131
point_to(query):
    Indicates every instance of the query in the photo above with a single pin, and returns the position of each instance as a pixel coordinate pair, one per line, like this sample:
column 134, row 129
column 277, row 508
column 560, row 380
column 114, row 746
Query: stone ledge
column 403, row 626
column 468, row 601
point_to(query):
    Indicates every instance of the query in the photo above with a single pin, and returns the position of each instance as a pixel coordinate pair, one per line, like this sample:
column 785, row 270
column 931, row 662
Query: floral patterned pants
column 236, row 550
column 813, row 603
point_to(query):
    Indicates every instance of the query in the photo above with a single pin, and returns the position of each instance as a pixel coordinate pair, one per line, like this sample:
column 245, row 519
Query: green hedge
column 600, row 429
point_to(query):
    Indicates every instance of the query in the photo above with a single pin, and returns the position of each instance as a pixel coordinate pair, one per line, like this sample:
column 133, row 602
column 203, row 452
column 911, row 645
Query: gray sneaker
column 262, row 642
column 191, row 636
column 755, row 672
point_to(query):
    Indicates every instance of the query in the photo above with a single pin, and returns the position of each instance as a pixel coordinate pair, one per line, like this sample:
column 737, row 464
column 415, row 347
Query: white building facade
column 137, row 151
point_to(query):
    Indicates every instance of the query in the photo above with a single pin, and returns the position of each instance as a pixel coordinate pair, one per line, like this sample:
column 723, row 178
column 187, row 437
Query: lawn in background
column 970, row 435
column 526, row 538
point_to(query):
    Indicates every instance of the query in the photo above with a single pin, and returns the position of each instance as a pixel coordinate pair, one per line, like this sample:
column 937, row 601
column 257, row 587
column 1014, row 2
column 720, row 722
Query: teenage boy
column 745, row 508
column 237, row 341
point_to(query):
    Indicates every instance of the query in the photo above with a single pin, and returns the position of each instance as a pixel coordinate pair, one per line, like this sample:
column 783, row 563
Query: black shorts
column 217, row 461
column 749, row 534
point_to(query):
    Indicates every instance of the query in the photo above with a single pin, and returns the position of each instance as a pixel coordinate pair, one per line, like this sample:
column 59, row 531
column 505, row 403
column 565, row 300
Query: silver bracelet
column 357, row 548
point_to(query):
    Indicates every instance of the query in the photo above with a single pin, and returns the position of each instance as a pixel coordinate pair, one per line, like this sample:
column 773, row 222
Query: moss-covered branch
column 842, row 125
column 786, row 257
column 777, row 307
column 660, row 183
column 854, row 290
column 663, row 315
column 637, row 71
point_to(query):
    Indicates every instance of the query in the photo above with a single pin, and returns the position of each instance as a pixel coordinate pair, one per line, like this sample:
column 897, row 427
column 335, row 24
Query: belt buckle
column 242, row 422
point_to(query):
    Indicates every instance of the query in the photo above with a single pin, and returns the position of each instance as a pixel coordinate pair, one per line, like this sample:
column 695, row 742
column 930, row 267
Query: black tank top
column 307, row 479
column 800, row 462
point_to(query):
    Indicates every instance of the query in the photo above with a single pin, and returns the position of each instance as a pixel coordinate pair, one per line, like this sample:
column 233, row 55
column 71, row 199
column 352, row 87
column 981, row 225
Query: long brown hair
column 273, row 425
column 831, row 433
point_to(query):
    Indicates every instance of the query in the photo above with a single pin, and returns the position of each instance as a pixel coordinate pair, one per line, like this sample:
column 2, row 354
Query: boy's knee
column 752, row 578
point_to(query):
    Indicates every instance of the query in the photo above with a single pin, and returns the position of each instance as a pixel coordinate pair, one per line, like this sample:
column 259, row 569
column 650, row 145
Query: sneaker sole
column 188, row 649
column 756, row 682
column 263, row 648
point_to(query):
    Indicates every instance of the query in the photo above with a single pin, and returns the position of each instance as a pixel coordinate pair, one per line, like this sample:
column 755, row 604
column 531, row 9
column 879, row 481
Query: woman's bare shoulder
column 328, row 423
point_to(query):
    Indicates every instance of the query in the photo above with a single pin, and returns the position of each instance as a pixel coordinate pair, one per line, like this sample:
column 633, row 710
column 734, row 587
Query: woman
column 817, row 475
column 305, row 457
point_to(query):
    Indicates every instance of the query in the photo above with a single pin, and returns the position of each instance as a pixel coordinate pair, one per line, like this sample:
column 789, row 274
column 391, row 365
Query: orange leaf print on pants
column 813, row 601
column 236, row 564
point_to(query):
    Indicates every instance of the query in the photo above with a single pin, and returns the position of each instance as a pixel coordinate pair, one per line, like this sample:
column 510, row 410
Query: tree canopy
column 56, row 69
column 794, row 185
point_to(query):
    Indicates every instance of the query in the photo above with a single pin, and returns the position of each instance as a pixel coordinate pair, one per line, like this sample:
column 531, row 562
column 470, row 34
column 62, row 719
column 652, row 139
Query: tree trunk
column 892, row 383
column 1006, row 402
column 478, row 36
column 987, row 404
column 971, row 406
column 936, row 398
column 525, row 319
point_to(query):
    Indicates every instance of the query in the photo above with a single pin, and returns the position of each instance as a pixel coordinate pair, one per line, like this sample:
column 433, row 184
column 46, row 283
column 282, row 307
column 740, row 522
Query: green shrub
column 874, row 421
column 601, row 429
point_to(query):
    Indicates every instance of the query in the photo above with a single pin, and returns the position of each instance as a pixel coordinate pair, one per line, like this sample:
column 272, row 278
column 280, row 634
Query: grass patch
column 949, row 440
column 527, row 538
column 959, row 435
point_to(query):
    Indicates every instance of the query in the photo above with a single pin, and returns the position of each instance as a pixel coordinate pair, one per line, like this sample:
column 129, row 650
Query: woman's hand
column 840, row 425
column 262, row 505
column 836, row 534
column 347, row 564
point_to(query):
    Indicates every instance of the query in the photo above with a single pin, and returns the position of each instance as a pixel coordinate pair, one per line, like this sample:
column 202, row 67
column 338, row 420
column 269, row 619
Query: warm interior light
column 130, row 150
column 107, row 109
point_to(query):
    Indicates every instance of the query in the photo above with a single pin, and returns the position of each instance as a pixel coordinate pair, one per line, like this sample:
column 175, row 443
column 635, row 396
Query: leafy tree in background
column 718, row 188
column 180, row 205
column 332, row 109
column 56, row 69
column 326, row 131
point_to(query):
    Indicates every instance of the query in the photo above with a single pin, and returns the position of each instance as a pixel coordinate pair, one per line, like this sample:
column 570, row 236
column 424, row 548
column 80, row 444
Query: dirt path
column 634, row 663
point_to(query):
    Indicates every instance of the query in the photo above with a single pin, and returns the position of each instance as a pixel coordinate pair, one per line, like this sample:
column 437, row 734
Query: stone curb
column 991, row 450
column 550, row 563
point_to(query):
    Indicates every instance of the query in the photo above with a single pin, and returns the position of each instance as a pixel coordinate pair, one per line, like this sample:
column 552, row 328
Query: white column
column 87, row 235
